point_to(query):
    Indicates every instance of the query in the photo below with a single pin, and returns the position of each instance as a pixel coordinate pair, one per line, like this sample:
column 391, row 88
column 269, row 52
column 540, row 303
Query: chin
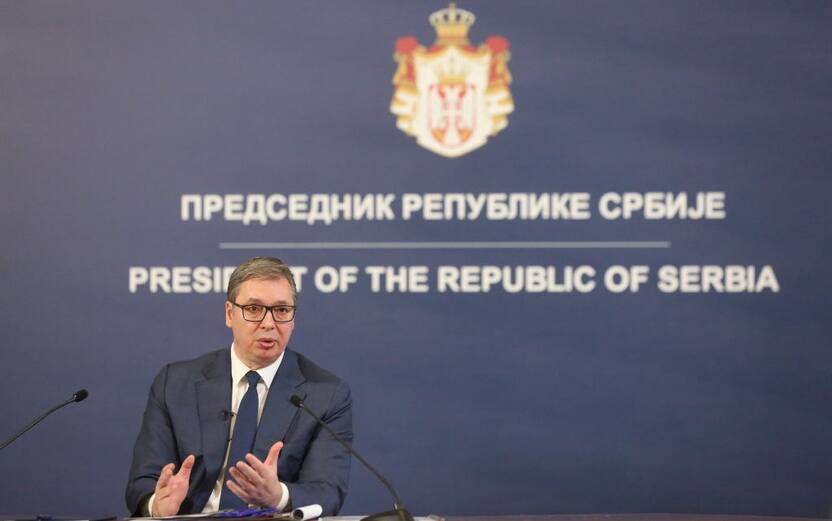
column 269, row 356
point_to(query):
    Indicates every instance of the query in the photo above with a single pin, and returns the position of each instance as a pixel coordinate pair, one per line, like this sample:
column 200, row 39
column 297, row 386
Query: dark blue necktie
column 242, row 439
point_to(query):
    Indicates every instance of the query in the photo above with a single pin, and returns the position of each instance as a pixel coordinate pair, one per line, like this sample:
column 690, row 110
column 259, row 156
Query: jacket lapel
column 214, row 398
column 279, row 413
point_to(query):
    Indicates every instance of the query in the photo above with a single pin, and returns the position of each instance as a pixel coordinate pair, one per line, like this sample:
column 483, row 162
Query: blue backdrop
column 473, row 402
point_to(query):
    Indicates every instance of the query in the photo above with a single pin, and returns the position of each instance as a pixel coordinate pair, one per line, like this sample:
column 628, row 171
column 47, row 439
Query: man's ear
column 228, row 310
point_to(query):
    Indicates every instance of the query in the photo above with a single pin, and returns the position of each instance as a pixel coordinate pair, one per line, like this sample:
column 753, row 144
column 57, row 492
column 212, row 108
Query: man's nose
column 268, row 321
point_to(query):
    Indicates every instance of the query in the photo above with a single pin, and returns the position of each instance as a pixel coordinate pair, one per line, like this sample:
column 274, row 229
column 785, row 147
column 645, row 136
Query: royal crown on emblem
column 452, row 23
column 451, row 71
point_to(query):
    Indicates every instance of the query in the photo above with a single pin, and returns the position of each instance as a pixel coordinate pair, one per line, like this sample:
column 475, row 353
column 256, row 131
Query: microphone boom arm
column 399, row 513
column 76, row 397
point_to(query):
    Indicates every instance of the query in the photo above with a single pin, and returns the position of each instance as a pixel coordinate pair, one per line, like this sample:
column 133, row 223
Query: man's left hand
column 255, row 481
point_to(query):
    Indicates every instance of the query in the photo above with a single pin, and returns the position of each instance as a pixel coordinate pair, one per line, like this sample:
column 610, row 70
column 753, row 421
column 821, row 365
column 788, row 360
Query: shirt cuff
column 284, row 499
column 148, row 507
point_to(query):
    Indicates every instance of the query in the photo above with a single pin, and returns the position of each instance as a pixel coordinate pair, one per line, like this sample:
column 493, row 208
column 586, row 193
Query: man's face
column 258, row 344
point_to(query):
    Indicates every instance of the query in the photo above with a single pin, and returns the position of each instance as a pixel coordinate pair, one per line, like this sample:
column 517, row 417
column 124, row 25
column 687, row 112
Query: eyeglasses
column 257, row 312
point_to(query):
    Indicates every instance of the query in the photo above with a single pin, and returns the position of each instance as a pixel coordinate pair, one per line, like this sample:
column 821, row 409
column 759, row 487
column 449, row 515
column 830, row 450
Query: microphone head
column 80, row 396
column 296, row 401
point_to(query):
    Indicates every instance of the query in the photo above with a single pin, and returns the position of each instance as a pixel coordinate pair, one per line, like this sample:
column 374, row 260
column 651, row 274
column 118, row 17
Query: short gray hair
column 260, row 268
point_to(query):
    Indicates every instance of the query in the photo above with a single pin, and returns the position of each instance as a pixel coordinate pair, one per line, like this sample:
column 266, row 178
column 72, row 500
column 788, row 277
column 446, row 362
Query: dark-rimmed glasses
column 257, row 312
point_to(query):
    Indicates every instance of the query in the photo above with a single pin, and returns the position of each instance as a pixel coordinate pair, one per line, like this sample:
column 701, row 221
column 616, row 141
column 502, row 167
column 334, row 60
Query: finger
column 261, row 468
column 238, row 491
column 274, row 452
column 185, row 469
column 167, row 472
column 248, row 473
column 235, row 474
column 241, row 480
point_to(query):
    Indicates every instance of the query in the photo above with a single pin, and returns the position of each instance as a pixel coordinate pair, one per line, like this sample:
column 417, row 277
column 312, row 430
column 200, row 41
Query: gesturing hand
column 255, row 481
column 171, row 488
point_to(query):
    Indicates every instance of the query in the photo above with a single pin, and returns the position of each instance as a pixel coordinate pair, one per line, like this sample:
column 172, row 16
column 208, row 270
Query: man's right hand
column 171, row 488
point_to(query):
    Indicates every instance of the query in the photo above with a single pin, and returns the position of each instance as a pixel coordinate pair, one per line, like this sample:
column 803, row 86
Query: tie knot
column 253, row 377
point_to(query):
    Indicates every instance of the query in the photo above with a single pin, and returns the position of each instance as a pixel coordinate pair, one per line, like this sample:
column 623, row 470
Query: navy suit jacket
column 187, row 413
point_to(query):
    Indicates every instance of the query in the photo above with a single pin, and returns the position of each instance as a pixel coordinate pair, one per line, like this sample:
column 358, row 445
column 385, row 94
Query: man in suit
column 220, row 432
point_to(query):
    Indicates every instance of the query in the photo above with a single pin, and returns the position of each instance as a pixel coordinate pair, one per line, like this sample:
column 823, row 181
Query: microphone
column 77, row 396
column 399, row 512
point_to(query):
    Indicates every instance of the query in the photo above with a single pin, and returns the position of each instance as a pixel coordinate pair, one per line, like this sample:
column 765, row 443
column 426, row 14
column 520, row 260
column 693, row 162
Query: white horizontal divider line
column 450, row 245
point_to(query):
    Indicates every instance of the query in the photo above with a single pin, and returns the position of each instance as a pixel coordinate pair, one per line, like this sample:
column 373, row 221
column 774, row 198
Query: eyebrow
column 260, row 303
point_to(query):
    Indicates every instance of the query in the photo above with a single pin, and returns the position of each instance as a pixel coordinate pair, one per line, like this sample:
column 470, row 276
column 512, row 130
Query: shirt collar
column 239, row 369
